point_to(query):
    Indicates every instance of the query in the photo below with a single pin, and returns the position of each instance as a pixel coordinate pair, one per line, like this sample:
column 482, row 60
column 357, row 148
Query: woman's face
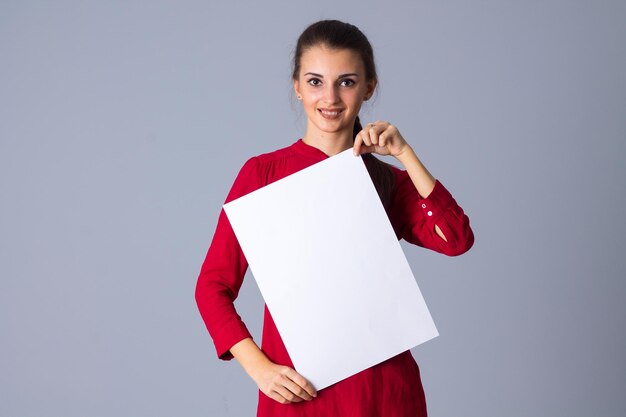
column 333, row 86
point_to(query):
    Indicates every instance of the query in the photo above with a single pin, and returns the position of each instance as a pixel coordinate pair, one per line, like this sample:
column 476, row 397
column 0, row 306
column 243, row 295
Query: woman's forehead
column 328, row 61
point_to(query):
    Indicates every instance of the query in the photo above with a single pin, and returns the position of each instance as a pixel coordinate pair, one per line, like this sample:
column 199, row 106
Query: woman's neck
column 329, row 143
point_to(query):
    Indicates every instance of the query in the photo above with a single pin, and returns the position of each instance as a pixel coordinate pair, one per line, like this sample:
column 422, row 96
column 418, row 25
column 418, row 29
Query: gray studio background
column 123, row 125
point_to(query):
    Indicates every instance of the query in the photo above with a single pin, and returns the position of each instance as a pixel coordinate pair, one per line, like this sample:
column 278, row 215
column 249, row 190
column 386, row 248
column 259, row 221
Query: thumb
column 366, row 149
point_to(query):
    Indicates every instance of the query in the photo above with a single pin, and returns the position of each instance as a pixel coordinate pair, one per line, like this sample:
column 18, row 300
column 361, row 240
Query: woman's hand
column 283, row 384
column 280, row 383
column 380, row 137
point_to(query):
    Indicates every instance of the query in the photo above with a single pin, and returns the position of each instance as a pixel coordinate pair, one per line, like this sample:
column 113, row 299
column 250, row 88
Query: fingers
column 356, row 148
column 295, row 393
column 290, row 387
column 372, row 137
column 363, row 141
column 377, row 132
column 277, row 397
column 359, row 146
column 285, row 396
column 381, row 138
column 370, row 134
column 279, row 391
column 301, row 383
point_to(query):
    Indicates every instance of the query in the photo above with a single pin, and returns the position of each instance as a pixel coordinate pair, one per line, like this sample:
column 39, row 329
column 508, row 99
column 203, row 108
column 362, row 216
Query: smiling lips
column 330, row 113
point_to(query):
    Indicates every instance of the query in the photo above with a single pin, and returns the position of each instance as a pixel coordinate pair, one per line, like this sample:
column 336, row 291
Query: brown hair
column 340, row 35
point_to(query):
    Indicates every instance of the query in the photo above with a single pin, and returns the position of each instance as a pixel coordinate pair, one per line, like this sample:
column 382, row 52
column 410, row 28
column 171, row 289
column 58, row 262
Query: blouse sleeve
column 222, row 272
column 414, row 217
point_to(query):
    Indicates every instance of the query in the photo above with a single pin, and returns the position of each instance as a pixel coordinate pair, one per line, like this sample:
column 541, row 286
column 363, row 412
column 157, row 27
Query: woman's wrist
column 422, row 179
column 405, row 154
column 250, row 357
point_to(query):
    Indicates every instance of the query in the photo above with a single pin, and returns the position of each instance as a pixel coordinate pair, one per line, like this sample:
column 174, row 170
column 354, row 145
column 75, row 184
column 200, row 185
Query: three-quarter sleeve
column 414, row 217
column 223, row 270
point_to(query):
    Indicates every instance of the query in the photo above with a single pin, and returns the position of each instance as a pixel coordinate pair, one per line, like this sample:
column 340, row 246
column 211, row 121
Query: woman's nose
column 332, row 95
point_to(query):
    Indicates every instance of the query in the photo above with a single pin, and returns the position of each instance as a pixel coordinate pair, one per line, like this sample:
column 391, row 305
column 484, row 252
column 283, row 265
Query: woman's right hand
column 282, row 383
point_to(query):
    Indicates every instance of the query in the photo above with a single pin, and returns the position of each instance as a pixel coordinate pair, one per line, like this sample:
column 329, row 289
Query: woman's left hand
column 380, row 137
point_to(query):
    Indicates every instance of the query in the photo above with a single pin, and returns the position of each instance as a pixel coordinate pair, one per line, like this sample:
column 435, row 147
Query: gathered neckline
column 308, row 150
column 311, row 151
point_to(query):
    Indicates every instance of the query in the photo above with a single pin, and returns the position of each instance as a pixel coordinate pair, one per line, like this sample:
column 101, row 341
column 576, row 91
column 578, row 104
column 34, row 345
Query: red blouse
column 391, row 388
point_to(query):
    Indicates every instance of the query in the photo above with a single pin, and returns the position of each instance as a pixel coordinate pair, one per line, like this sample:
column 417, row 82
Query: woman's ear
column 371, row 87
column 296, row 89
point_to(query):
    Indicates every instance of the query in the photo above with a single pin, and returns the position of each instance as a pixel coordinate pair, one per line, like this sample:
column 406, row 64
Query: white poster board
column 331, row 270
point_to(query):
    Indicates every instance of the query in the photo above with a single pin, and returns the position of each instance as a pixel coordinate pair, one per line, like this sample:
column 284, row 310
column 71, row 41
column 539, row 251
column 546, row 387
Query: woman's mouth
column 330, row 114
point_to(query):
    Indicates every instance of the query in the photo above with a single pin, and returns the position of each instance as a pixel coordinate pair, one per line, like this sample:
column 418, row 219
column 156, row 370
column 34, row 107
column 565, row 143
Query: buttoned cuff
column 437, row 201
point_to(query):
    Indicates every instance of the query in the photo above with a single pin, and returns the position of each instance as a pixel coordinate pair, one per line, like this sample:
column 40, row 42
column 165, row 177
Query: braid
column 380, row 172
column 357, row 128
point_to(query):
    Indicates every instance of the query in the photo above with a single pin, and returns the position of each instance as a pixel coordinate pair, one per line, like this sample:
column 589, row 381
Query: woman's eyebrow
column 351, row 74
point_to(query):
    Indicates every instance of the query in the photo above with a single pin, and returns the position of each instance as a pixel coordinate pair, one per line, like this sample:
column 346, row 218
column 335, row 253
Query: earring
column 299, row 97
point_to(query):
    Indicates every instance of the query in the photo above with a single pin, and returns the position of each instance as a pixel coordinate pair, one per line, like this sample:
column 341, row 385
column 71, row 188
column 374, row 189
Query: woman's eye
column 314, row 81
column 347, row 82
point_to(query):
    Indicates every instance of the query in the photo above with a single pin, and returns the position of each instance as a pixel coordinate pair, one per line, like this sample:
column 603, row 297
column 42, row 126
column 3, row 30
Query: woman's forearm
column 249, row 356
column 422, row 179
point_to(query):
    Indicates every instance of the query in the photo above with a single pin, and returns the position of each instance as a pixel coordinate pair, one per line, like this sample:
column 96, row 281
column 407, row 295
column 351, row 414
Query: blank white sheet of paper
column 331, row 270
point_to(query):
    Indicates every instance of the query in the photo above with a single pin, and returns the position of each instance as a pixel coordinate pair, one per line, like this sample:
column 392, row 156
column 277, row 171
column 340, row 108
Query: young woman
column 333, row 74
